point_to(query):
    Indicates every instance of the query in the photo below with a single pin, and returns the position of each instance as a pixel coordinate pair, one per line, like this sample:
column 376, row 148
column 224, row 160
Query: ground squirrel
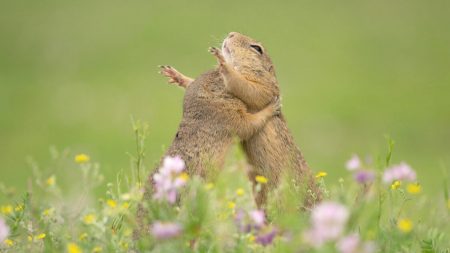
column 248, row 74
column 211, row 118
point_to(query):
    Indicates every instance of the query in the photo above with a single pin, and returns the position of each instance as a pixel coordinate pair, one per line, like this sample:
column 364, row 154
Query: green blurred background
column 72, row 73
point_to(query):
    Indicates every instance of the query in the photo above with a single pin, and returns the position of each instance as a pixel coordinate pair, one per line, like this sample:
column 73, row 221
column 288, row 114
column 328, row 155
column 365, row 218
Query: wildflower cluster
column 377, row 210
column 169, row 179
column 252, row 224
column 361, row 174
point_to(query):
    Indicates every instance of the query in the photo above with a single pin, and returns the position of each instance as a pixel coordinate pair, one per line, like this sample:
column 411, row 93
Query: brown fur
column 250, row 76
column 211, row 118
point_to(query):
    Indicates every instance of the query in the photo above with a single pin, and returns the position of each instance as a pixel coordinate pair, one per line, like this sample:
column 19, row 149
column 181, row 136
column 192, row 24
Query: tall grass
column 361, row 212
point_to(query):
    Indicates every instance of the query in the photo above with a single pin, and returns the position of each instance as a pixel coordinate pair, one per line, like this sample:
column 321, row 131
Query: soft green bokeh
column 72, row 73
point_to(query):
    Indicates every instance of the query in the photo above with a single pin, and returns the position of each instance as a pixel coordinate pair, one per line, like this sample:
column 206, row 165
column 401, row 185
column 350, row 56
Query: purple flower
column 401, row 172
column 353, row 244
column 328, row 223
column 266, row 238
column 165, row 230
column 169, row 178
column 240, row 221
column 4, row 230
column 364, row 176
column 258, row 217
column 247, row 221
column 354, row 163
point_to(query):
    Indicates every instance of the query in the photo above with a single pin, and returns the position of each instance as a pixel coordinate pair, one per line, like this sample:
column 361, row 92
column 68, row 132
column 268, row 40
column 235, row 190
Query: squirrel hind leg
column 174, row 76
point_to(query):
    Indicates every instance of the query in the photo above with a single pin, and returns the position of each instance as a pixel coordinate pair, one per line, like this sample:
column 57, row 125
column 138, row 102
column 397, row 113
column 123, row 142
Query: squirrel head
column 248, row 57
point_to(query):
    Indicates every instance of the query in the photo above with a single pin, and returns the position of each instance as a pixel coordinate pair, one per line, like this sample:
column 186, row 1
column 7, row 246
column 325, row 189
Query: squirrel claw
column 213, row 50
column 218, row 54
column 174, row 76
column 170, row 73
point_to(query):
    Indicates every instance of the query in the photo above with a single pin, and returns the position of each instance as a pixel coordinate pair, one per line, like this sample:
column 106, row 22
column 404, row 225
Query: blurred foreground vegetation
column 374, row 207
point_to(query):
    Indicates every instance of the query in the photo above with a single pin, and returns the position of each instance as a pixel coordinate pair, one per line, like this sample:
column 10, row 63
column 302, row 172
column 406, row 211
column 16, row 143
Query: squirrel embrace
column 238, row 98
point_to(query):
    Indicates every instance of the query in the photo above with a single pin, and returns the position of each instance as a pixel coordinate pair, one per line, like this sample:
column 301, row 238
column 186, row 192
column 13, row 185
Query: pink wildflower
column 165, row 230
column 401, row 172
column 169, row 178
column 328, row 223
column 258, row 217
column 354, row 163
column 4, row 230
column 353, row 244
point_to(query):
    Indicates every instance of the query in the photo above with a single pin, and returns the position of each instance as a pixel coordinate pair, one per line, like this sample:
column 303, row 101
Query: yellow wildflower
column 240, row 191
column 97, row 249
column 50, row 181
column 30, row 238
column 124, row 245
column 6, row 210
column 231, row 205
column 405, row 225
column 9, row 242
column 73, row 248
column 261, row 179
column 83, row 236
column 184, row 176
column 209, row 186
column 19, row 208
column 251, row 238
column 321, row 174
column 414, row 188
column 48, row 212
column 82, row 158
column 396, row 184
column 125, row 205
column 111, row 203
column 41, row 236
column 89, row 219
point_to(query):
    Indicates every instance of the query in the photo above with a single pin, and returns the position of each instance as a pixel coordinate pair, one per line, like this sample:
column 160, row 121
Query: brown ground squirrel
column 249, row 75
column 211, row 118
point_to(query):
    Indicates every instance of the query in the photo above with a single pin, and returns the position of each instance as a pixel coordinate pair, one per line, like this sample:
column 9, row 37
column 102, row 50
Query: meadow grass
column 60, row 212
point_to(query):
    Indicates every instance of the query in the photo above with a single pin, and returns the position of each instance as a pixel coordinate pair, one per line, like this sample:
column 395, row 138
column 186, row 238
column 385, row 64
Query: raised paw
column 169, row 72
column 218, row 54
column 174, row 76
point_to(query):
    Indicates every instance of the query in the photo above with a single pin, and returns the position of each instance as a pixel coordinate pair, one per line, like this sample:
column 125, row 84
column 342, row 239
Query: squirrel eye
column 257, row 48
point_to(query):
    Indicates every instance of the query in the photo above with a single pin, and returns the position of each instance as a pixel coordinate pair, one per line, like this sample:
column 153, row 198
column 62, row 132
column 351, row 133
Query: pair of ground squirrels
column 240, row 97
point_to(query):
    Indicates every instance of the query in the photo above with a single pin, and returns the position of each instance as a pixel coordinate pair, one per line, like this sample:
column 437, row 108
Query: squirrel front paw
column 173, row 75
column 276, row 104
column 218, row 54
